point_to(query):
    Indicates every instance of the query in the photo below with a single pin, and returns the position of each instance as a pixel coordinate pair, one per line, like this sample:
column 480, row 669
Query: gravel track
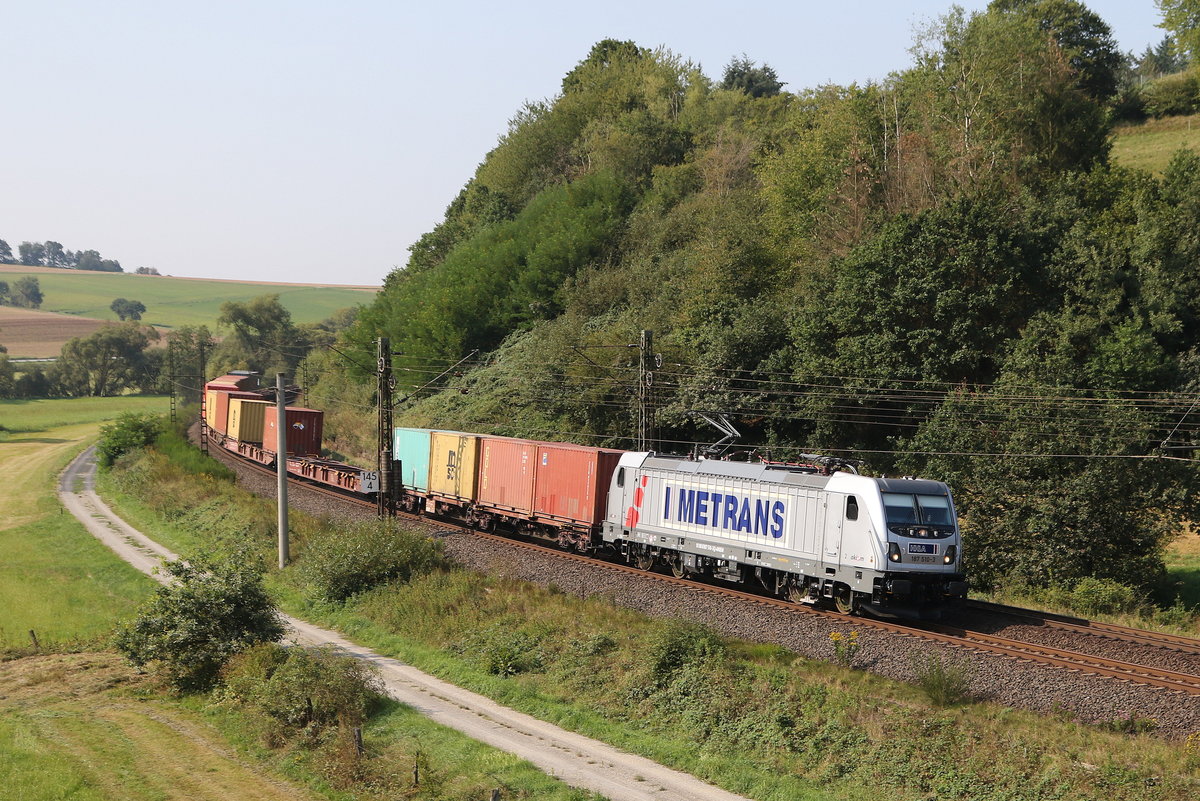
column 1003, row 680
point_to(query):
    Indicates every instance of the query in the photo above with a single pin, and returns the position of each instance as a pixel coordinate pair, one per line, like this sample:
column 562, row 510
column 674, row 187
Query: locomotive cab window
column 852, row 508
column 905, row 509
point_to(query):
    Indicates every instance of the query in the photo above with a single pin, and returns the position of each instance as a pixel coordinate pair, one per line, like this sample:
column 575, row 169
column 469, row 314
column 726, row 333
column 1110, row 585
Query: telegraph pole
column 383, row 375
column 203, row 373
column 281, row 468
column 645, row 415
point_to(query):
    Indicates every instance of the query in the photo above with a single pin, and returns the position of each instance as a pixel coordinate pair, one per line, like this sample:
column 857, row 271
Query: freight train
column 815, row 533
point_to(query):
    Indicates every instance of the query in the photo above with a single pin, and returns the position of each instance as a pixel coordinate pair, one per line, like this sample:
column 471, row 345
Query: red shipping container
column 571, row 484
column 220, row 415
column 506, row 470
column 305, row 428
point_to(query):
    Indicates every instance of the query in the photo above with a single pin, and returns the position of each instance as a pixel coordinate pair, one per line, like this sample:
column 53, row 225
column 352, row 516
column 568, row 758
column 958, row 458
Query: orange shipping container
column 571, row 484
column 506, row 468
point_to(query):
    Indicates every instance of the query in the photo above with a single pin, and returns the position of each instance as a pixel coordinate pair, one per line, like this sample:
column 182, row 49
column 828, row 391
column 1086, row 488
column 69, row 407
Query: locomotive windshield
column 905, row 509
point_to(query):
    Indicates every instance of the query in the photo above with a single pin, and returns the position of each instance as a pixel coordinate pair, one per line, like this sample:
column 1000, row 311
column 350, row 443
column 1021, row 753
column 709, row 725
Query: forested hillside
column 940, row 273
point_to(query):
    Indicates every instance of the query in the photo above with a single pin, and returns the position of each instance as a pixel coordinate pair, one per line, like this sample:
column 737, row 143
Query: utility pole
column 203, row 373
column 281, row 468
column 383, row 375
column 645, row 413
column 172, row 379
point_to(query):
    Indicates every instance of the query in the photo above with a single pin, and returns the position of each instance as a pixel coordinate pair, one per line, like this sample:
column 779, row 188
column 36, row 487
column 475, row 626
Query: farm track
column 1145, row 669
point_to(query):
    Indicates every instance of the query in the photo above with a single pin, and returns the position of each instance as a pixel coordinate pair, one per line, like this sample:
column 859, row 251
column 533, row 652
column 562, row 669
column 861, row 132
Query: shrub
column 946, row 682
column 340, row 563
column 213, row 609
column 302, row 689
column 1173, row 94
column 503, row 650
column 679, row 645
column 129, row 432
column 1095, row 596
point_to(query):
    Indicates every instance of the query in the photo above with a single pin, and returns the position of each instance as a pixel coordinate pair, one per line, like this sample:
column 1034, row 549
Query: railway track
column 964, row 638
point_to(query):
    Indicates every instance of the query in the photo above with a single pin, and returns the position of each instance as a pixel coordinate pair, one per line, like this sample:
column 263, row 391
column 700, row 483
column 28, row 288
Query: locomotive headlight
column 951, row 552
column 893, row 552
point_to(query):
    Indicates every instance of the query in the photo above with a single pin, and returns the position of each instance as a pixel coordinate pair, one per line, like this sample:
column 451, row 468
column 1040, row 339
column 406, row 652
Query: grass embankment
column 78, row 722
column 1150, row 145
column 753, row 718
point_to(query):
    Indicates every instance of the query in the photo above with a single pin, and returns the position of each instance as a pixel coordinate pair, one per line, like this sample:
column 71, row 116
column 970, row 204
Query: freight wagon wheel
column 843, row 599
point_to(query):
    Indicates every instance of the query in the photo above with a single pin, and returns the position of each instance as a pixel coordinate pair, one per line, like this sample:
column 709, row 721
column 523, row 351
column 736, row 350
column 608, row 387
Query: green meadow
column 1150, row 145
column 172, row 302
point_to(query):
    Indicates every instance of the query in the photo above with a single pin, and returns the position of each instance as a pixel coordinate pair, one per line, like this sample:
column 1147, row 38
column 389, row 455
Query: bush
column 129, row 432
column 504, row 651
column 211, row 611
column 946, row 682
column 1095, row 596
column 340, row 563
column 189, row 458
column 1171, row 95
column 680, row 645
column 302, row 689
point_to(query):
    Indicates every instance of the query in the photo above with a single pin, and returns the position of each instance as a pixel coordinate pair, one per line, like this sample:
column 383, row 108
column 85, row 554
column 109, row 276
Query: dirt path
column 574, row 759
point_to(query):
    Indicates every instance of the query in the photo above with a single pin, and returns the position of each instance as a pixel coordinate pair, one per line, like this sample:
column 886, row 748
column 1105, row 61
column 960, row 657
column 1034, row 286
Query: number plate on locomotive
column 924, row 559
column 922, row 547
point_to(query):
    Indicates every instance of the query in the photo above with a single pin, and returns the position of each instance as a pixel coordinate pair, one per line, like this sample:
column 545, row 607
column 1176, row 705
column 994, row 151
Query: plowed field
column 38, row 334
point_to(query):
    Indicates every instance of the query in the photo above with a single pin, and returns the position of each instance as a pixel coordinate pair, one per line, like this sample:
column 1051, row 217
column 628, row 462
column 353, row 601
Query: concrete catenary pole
column 281, row 467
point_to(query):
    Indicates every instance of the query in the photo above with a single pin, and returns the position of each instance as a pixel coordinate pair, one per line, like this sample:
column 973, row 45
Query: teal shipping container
column 410, row 447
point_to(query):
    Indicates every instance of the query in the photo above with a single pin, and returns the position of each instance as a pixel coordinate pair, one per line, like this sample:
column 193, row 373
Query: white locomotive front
column 888, row 545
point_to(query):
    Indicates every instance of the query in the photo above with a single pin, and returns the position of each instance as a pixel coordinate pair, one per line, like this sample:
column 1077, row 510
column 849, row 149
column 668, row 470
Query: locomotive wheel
column 797, row 592
column 644, row 560
column 677, row 568
column 843, row 599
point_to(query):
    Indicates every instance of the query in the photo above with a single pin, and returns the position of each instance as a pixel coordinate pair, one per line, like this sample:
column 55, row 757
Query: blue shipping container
column 410, row 446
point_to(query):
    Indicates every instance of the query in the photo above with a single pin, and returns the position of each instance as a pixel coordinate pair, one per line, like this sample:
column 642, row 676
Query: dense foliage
column 213, row 608
column 940, row 273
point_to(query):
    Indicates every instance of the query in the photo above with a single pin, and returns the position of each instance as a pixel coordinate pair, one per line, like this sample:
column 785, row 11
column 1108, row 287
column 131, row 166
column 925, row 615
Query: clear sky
column 306, row 141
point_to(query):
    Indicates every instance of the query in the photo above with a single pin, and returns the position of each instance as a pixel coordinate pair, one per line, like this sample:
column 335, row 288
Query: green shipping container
column 410, row 447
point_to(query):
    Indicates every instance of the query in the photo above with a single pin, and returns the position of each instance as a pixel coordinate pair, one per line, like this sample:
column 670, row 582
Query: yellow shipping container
column 210, row 408
column 453, row 458
column 246, row 420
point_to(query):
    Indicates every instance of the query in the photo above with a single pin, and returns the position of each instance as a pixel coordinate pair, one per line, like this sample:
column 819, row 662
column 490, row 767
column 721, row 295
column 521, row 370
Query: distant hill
column 1150, row 145
column 77, row 302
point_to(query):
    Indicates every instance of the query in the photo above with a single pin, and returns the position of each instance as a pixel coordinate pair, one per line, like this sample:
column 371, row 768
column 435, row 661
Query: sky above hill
column 314, row 142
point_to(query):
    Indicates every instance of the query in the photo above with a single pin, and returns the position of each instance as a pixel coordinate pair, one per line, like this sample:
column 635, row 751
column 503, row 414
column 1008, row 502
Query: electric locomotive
column 885, row 545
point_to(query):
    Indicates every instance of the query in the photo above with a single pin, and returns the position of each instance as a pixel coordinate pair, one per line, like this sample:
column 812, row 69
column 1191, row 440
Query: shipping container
column 453, row 465
column 410, row 447
column 246, row 417
column 305, row 428
column 571, row 483
column 234, row 382
column 506, row 471
column 216, row 407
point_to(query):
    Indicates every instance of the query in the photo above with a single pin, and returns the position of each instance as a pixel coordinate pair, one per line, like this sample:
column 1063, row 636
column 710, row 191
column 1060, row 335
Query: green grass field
column 1151, row 145
column 55, row 579
column 172, row 302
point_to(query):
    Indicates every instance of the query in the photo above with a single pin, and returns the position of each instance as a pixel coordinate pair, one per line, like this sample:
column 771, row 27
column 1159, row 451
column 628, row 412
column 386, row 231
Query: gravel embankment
column 1002, row 680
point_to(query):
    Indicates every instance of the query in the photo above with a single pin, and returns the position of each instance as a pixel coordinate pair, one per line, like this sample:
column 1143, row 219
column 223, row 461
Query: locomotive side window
column 621, row 477
column 852, row 508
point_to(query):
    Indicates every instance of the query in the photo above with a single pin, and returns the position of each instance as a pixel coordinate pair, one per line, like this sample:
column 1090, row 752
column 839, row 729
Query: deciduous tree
column 107, row 362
